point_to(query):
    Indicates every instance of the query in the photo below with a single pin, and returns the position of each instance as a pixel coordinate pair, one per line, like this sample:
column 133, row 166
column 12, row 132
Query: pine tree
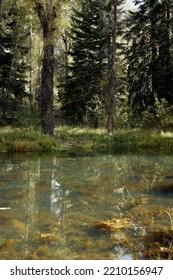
column 93, row 84
column 13, row 66
column 150, row 61
column 83, row 87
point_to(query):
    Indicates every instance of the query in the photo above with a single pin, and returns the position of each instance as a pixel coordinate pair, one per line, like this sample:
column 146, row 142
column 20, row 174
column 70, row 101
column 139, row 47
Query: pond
column 103, row 207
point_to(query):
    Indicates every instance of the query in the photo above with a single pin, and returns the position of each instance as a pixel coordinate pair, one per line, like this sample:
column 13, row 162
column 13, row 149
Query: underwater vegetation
column 86, row 208
column 106, row 239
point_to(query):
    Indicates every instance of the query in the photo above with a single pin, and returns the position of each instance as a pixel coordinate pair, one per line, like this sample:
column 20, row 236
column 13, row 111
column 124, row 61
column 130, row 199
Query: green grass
column 141, row 141
column 96, row 141
column 24, row 141
column 83, row 141
column 76, row 141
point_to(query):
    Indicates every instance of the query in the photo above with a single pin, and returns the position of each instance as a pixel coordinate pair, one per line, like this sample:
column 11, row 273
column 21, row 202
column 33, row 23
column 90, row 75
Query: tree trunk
column 112, row 68
column 2, row 3
column 47, row 17
column 46, row 88
column 67, row 46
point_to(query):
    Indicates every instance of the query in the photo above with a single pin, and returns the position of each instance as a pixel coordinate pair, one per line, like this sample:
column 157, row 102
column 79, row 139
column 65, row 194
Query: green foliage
column 22, row 141
column 83, row 141
column 76, row 141
column 159, row 116
column 150, row 57
column 141, row 142
column 87, row 141
column 123, row 114
column 13, row 66
column 84, row 92
column 83, row 89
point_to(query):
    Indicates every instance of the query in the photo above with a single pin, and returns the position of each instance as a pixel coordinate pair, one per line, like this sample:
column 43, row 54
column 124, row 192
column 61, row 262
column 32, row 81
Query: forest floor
column 75, row 141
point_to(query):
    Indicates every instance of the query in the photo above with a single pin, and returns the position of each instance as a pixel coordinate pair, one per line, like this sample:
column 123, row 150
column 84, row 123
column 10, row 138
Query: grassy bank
column 91, row 141
column 25, row 141
column 85, row 141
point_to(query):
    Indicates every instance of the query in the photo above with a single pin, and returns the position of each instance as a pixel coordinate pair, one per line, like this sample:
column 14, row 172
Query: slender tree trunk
column 66, row 50
column 112, row 69
column 47, row 17
column 2, row 3
column 154, row 56
column 46, row 88
column 30, row 72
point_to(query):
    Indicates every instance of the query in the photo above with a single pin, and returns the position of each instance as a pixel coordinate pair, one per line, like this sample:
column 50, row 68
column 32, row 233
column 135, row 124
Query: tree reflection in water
column 56, row 204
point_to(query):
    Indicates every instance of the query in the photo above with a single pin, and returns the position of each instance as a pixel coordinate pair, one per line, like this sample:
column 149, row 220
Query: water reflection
column 83, row 208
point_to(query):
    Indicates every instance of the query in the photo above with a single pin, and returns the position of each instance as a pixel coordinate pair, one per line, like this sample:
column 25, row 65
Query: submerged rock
column 48, row 237
column 113, row 225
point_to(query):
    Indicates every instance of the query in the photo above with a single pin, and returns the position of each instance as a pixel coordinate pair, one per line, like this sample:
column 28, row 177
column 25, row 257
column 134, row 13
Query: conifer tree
column 13, row 65
column 83, row 87
column 91, row 86
column 150, row 57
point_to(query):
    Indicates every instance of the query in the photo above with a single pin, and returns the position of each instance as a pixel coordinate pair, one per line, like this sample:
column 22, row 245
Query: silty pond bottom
column 104, row 207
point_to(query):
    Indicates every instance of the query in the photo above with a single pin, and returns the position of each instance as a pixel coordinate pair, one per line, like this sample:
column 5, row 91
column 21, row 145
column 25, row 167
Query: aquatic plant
column 6, row 244
column 170, row 215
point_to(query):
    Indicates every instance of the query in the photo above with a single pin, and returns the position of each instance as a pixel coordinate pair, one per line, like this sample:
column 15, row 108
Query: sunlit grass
column 86, row 141
column 67, row 132
column 166, row 134
column 122, row 141
column 22, row 140
column 83, row 141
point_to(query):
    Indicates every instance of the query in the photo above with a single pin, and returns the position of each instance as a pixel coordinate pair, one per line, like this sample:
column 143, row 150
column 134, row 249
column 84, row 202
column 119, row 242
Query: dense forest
column 91, row 63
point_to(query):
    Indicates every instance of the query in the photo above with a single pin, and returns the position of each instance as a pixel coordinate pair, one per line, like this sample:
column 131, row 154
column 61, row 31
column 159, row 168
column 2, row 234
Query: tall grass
column 22, row 140
column 123, row 141
column 86, row 141
column 141, row 141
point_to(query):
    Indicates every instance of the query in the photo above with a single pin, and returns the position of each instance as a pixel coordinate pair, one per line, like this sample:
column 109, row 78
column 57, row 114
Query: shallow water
column 105, row 207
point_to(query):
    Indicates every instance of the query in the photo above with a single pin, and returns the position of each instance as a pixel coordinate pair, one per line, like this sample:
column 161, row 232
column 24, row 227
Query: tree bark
column 112, row 68
column 2, row 3
column 47, row 17
column 46, row 89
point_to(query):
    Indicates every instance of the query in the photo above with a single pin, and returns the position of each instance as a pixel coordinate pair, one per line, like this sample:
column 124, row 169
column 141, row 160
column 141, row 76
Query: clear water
column 106, row 207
